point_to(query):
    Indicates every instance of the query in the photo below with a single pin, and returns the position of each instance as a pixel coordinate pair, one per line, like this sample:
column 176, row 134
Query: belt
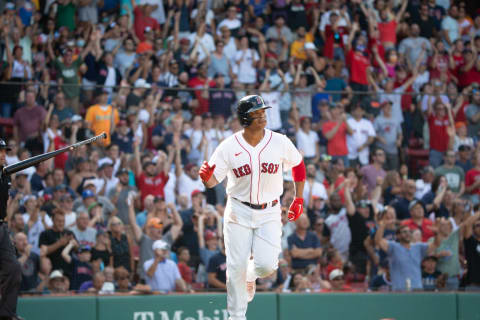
column 259, row 206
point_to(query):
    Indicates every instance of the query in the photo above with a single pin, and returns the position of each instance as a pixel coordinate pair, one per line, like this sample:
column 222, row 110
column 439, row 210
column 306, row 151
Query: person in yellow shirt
column 102, row 117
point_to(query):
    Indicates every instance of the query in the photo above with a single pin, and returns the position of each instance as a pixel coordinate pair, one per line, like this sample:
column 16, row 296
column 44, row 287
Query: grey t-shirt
column 89, row 12
column 123, row 61
column 389, row 129
column 473, row 128
column 121, row 203
column 87, row 236
column 146, row 251
column 450, row 264
column 406, row 264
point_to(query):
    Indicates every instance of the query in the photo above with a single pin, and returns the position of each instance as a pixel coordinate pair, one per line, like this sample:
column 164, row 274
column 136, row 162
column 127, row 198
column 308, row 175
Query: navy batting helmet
column 248, row 104
column 3, row 145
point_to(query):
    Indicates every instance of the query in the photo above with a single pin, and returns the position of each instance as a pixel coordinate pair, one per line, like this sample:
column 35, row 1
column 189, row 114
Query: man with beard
column 336, row 226
column 10, row 272
column 118, row 196
column 405, row 258
column 413, row 45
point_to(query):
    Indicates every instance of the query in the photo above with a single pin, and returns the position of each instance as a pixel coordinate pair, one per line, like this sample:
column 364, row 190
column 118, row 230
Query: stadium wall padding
column 266, row 306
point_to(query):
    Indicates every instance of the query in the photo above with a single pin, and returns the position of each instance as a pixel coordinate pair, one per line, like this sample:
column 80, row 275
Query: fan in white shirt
column 362, row 137
column 188, row 179
column 231, row 21
column 307, row 140
column 313, row 188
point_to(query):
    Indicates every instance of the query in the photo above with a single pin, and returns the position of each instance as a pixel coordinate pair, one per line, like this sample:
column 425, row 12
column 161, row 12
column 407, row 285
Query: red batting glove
column 206, row 171
column 296, row 209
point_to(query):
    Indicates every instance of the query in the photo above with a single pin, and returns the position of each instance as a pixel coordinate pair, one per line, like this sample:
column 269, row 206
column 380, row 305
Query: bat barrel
column 19, row 166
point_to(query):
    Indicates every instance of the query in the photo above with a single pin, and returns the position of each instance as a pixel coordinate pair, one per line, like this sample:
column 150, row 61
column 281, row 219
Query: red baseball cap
column 195, row 192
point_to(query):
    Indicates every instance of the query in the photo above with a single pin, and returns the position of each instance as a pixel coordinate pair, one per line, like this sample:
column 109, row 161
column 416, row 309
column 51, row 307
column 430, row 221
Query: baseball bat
column 11, row 169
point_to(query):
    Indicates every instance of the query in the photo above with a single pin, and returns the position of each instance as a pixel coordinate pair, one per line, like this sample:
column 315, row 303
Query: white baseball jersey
column 255, row 174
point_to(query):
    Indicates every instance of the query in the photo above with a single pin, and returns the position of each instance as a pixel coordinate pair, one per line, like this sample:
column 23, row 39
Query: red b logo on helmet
column 259, row 100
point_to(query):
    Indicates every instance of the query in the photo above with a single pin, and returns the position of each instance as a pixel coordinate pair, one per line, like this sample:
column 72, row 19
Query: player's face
column 259, row 119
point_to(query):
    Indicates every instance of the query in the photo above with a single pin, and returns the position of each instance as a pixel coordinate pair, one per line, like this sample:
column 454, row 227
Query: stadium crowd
column 359, row 86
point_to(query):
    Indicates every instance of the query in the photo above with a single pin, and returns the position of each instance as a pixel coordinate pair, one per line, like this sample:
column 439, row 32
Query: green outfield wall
column 266, row 306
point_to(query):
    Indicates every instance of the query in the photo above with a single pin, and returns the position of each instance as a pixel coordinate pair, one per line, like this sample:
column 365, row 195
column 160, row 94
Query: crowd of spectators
column 353, row 83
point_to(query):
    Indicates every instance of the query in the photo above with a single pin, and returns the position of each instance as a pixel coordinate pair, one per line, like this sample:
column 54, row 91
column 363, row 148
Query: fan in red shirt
column 151, row 177
column 457, row 56
column 439, row 119
column 470, row 70
column 333, row 36
column 388, row 25
column 186, row 272
column 201, row 82
column 472, row 179
column 336, row 133
column 61, row 159
column 439, row 62
column 418, row 220
column 357, row 61
column 143, row 20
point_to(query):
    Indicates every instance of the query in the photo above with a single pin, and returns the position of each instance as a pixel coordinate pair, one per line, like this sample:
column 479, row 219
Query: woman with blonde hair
column 121, row 244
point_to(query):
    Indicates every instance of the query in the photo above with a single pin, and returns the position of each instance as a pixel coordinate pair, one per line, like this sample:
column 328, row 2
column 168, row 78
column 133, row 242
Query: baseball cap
column 184, row 41
column 464, row 147
column 384, row 103
column 325, row 157
column 141, row 83
column 335, row 274
column 29, row 197
column 160, row 245
column 93, row 205
column 158, row 198
column 310, row 46
column 207, row 115
column 76, row 118
column 189, row 166
column 55, row 274
column 9, row 6
column 3, row 145
column 88, row 183
column 427, row 169
column 87, row 194
column 195, row 192
column 107, row 288
column 413, row 203
column 209, row 234
column 460, row 124
column 84, row 248
column 362, row 203
column 66, row 196
column 144, row 47
column 122, row 171
column 103, row 163
column 434, row 258
column 155, row 222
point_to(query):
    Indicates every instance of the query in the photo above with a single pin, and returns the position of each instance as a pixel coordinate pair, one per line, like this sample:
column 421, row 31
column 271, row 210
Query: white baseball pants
column 263, row 242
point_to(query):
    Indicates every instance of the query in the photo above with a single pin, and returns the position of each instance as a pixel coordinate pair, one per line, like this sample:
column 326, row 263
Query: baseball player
column 253, row 160
column 10, row 270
